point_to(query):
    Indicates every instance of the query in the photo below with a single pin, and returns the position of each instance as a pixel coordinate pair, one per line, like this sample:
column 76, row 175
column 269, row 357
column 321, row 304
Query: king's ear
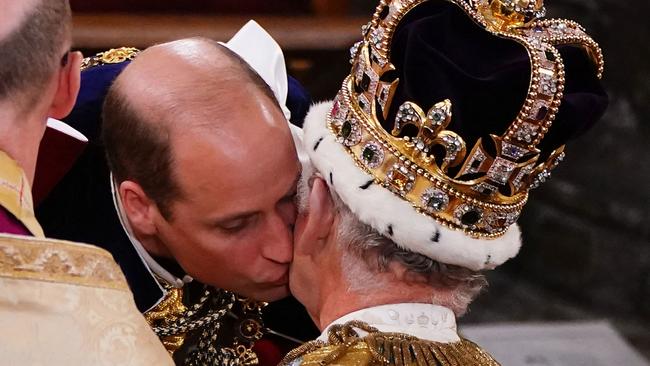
column 321, row 211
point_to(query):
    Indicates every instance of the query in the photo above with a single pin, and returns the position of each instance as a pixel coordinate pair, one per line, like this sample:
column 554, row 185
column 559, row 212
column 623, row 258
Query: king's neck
column 342, row 300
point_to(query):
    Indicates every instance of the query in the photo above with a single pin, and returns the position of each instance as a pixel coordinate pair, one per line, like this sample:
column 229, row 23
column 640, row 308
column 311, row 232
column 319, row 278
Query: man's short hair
column 139, row 150
column 32, row 52
column 366, row 252
column 364, row 246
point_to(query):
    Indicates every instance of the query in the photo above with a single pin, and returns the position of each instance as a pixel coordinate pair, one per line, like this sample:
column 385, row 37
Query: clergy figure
column 61, row 303
column 453, row 111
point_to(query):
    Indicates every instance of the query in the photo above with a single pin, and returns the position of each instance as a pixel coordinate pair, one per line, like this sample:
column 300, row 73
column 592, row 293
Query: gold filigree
column 167, row 312
column 241, row 355
column 175, row 322
column 431, row 133
column 112, row 56
column 59, row 261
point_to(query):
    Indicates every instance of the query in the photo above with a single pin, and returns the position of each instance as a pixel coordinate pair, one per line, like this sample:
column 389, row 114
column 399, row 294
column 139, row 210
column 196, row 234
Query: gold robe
column 64, row 303
column 406, row 334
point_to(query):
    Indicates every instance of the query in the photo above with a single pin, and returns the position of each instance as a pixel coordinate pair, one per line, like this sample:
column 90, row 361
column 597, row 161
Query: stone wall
column 586, row 247
column 588, row 231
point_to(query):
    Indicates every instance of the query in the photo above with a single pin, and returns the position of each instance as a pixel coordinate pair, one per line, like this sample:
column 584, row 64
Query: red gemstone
column 335, row 109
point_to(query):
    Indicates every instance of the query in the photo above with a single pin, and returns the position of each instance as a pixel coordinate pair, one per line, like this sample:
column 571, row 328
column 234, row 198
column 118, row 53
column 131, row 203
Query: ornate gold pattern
column 508, row 14
column 345, row 348
column 480, row 193
column 173, row 322
column 168, row 311
column 241, row 355
column 59, row 261
column 112, row 56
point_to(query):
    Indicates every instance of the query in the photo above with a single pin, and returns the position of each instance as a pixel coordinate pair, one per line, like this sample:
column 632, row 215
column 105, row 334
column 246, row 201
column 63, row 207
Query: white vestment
column 65, row 303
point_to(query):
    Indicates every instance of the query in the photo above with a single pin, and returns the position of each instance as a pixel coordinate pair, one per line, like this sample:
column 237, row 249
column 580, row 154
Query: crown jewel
column 479, row 189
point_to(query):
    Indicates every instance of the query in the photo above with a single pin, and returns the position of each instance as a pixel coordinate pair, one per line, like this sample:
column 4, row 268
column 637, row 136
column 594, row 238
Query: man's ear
column 139, row 208
column 68, row 84
column 320, row 214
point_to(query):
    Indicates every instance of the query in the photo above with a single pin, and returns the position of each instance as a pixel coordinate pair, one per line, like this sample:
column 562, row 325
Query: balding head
column 34, row 35
column 188, row 79
column 178, row 87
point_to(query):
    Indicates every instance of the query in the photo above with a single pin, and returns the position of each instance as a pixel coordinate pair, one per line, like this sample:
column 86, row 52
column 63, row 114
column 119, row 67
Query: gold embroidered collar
column 16, row 194
column 345, row 347
column 40, row 259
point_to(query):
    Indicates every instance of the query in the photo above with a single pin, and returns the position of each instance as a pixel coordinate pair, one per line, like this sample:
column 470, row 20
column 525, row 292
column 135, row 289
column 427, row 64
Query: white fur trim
column 380, row 208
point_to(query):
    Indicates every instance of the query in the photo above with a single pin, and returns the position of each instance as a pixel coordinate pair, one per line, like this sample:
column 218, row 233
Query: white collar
column 425, row 321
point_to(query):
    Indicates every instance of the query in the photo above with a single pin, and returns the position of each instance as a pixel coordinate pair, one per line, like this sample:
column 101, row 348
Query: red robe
column 10, row 225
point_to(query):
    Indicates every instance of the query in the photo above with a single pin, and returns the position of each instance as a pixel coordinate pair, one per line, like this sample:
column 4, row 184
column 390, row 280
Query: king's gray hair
column 367, row 252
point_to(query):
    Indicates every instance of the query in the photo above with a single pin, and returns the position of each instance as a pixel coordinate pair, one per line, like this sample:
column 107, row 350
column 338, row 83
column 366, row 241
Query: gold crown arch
column 487, row 192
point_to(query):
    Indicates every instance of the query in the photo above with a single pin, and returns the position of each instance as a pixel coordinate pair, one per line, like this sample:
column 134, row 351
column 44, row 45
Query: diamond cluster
column 435, row 200
column 373, row 155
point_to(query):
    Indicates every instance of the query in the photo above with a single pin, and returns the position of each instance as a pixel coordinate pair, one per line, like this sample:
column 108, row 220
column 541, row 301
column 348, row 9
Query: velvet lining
column 441, row 53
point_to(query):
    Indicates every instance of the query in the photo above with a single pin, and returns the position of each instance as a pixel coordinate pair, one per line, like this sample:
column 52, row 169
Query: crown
column 478, row 189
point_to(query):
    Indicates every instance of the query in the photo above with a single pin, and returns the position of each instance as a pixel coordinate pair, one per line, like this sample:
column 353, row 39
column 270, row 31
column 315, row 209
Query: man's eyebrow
column 237, row 216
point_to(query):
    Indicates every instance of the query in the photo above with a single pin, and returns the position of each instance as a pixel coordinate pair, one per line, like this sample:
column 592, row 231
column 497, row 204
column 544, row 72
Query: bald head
column 33, row 37
column 182, row 86
column 190, row 80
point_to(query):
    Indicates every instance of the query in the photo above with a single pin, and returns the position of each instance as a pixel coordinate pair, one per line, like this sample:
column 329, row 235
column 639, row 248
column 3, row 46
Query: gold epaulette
column 346, row 348
column 421, row 353
column 358, row 355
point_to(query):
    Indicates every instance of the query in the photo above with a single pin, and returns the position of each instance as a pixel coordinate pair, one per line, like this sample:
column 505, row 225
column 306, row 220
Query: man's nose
column 278, row 245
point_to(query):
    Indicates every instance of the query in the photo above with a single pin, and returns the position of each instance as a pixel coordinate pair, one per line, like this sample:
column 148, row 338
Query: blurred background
column 586, row 252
